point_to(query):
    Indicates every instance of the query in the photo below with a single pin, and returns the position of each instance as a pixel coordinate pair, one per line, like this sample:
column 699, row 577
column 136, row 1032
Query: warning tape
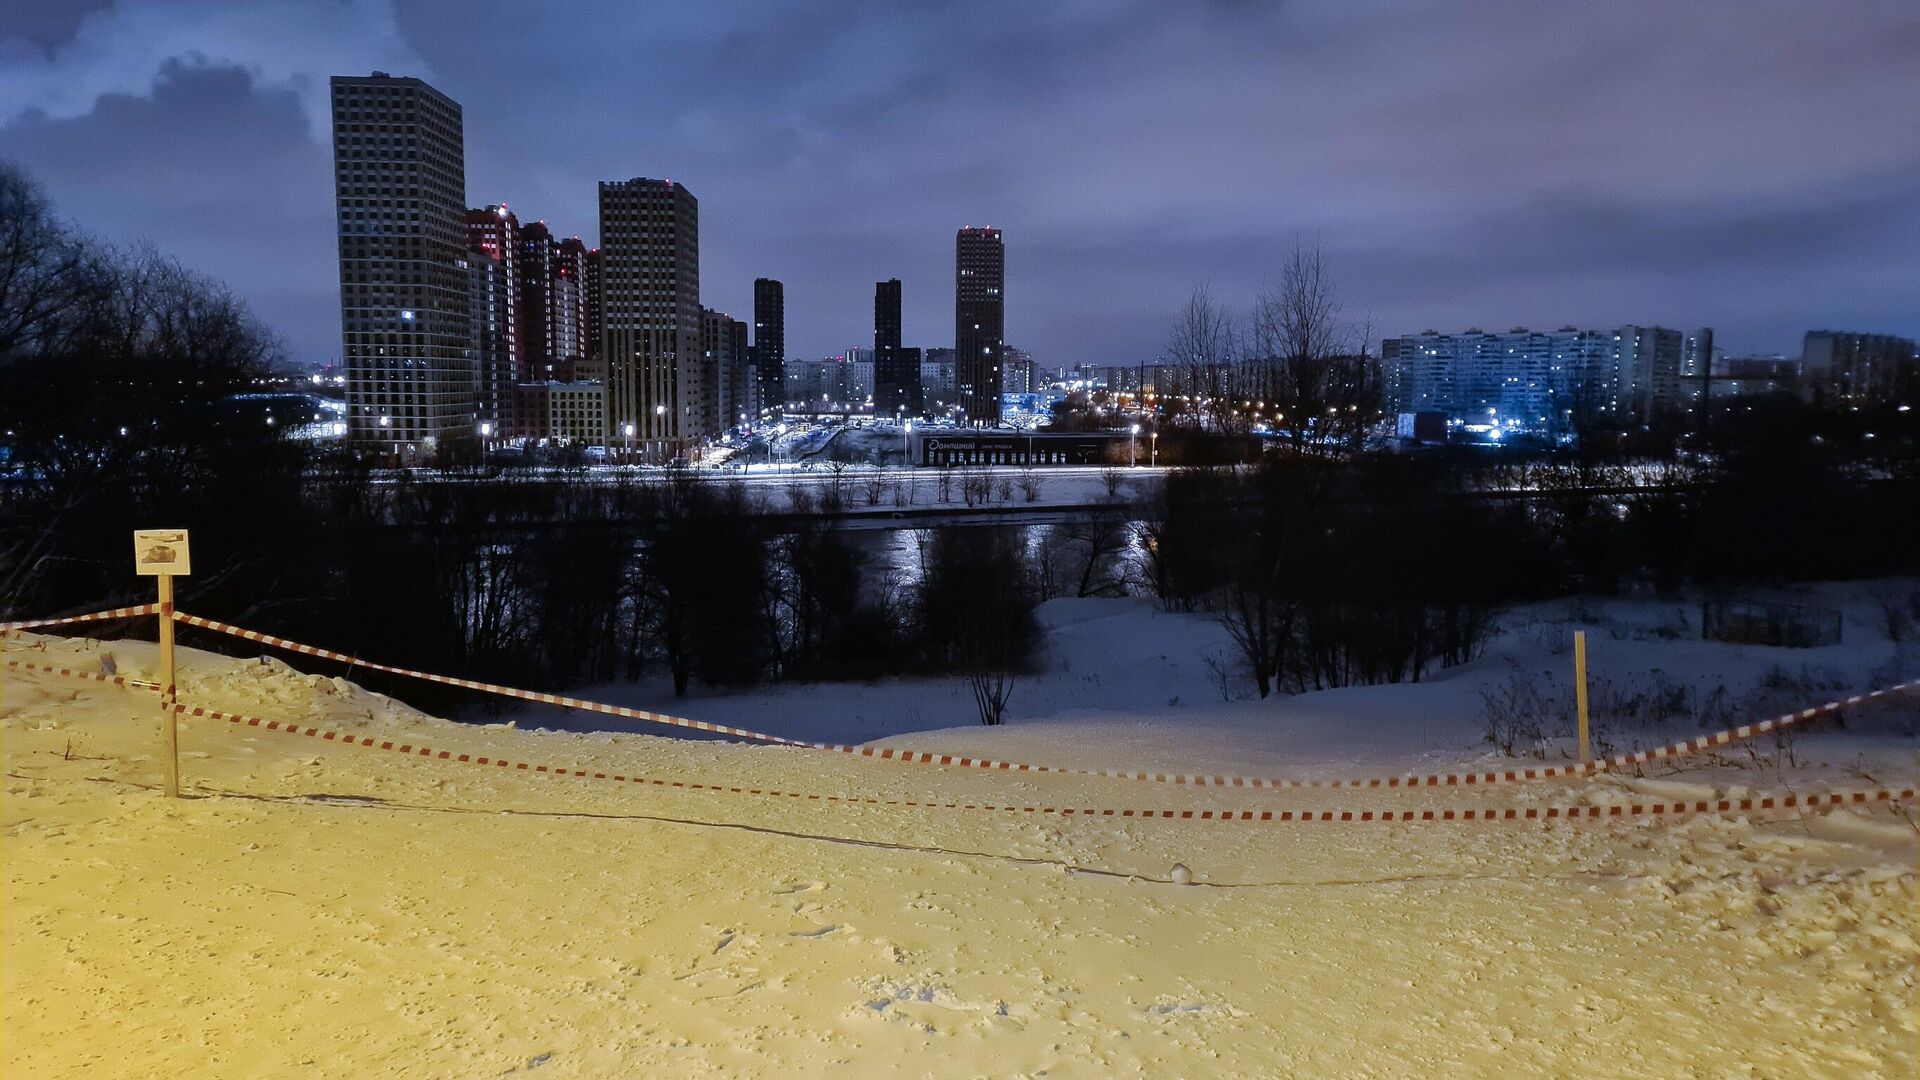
column 116, row 680
column 1791, row 800
column 115, row 613
column 1787, row 801
column 489, row 688
column 920, row 757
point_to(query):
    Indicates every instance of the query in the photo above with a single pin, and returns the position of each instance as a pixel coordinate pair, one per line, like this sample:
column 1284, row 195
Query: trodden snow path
column 322, row 909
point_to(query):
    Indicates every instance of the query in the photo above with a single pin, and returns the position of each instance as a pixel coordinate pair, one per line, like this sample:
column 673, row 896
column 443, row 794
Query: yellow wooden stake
column 170, row 722
column 1580, row 693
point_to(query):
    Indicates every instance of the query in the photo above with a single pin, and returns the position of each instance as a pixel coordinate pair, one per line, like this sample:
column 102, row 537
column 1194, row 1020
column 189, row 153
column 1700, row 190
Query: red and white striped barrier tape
column 921, row 757
column 116, row 680
column 97, row 616
column 488, row 688
column 1760, row 803
column 1786, row 801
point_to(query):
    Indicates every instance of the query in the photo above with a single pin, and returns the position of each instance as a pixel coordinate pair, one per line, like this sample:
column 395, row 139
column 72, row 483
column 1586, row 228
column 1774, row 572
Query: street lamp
column 1133, row 457
column 1153, row 442
column 906, row 443
column 628, row 431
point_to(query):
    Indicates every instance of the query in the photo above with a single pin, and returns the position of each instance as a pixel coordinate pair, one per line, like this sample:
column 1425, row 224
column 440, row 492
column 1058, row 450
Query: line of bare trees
column 115, row 364
column 1299, row 367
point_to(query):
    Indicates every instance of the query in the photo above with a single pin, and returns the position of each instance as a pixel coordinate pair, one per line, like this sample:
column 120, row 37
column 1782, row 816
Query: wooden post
column 170, row 722
column 1580, row 693
column 163, row 554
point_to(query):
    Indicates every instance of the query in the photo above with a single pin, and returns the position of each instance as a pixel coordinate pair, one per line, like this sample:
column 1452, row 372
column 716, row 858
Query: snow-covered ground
column 1124, row 684
column 318, row 909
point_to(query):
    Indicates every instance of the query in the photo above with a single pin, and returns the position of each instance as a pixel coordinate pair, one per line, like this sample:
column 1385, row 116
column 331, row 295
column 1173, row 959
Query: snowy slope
column 1125, row 685
column 317, row 909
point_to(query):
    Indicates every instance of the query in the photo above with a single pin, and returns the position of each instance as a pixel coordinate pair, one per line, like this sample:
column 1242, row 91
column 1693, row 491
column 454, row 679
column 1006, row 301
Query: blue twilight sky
column 1754, row 166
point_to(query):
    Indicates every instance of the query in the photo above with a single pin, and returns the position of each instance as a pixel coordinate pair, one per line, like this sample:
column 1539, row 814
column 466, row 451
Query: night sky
column 1753, row 166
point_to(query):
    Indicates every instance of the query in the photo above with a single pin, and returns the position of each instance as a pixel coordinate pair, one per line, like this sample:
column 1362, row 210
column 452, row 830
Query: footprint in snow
column 817, row 933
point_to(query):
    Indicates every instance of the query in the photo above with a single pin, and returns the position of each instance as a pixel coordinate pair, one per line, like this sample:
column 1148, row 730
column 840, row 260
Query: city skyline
column 1739, row 194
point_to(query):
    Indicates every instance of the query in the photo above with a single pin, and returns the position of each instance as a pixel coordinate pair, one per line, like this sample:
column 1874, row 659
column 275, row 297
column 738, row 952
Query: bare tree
column 1327, row 392
column 976, row 486
column 991, row 692
column 834, row 498
column 1258, row 614
column 1201, row 345
column 1112, row 477
column 112, row 364
column 1097, row 543
column 48, row 276
column 1030, row 483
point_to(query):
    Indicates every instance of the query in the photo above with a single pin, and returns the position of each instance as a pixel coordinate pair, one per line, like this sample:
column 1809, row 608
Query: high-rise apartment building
column 979, row 322
column 886, row 315
column 593, row 368
column 553, row 302
column 1859, row 369
column 567, row 306
column 1648, row 361
column 493, row 244
column 937, row 382
column 770, row 341
column 743, row 386
column 896, row 383
column 723, row 346
column 896, row 370
column 406, row 289
column 490, row 322
column 650, row 308
column 1548, row 381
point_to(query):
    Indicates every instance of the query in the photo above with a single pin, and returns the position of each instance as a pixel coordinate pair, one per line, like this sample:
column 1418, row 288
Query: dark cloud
column 49, row 24
column 1496, row 162
column 213, row 170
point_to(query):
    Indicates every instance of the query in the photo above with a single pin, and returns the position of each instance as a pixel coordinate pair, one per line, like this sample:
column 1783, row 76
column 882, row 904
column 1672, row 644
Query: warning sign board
column 161, row 551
